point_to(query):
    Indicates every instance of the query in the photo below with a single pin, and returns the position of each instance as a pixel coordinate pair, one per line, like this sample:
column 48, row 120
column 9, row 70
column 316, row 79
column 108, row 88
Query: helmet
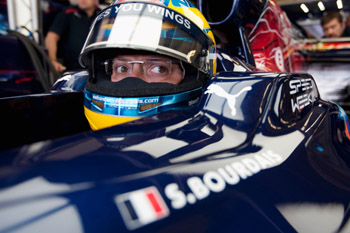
column 172, row 29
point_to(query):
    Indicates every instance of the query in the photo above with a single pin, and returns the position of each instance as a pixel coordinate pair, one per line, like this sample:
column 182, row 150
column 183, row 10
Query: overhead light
column 321, row 6
column 304, row 8
column 339, row 4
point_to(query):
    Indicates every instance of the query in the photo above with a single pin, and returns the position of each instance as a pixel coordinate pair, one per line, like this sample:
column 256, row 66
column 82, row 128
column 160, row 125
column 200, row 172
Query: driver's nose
column 138, row 72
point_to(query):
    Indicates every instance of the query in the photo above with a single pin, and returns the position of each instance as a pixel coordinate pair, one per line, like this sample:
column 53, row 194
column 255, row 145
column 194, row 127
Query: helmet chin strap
column 92, row 70
column 183, row 70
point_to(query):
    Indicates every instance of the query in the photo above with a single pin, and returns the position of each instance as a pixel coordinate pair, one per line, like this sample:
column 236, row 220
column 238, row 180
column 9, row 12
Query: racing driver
column 145, row 57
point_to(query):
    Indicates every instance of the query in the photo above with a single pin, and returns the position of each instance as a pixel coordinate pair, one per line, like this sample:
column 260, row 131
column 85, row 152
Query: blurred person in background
column 348, row 21
column 50, row 8
column 334, row 26
column 67, row 34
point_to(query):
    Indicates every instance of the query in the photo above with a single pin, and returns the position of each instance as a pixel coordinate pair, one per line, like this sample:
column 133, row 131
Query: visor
column 150, row 27
column 139, row 106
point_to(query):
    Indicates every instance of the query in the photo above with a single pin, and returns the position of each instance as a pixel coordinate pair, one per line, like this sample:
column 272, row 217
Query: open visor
column 150, row 27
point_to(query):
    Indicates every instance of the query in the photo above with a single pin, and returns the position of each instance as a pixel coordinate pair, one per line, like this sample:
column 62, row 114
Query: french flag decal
column 141, row 207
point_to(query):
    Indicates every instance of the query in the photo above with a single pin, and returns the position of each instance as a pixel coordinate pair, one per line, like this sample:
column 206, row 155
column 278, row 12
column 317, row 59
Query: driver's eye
column 121, row 69
column 159, row 69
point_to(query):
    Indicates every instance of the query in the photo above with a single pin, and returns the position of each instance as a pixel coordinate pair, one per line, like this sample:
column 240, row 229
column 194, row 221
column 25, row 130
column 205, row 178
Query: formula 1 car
column 24, row 66
column 259, row 152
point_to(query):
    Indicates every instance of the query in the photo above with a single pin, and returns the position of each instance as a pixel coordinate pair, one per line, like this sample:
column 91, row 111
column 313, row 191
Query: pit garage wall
column 24, row 17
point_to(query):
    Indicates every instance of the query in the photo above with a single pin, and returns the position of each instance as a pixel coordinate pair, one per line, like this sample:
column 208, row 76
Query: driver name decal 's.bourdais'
column 144, row 206
column 217, row 180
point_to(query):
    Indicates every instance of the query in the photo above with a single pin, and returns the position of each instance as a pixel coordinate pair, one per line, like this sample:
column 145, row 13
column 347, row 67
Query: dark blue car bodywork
column 273, row 157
